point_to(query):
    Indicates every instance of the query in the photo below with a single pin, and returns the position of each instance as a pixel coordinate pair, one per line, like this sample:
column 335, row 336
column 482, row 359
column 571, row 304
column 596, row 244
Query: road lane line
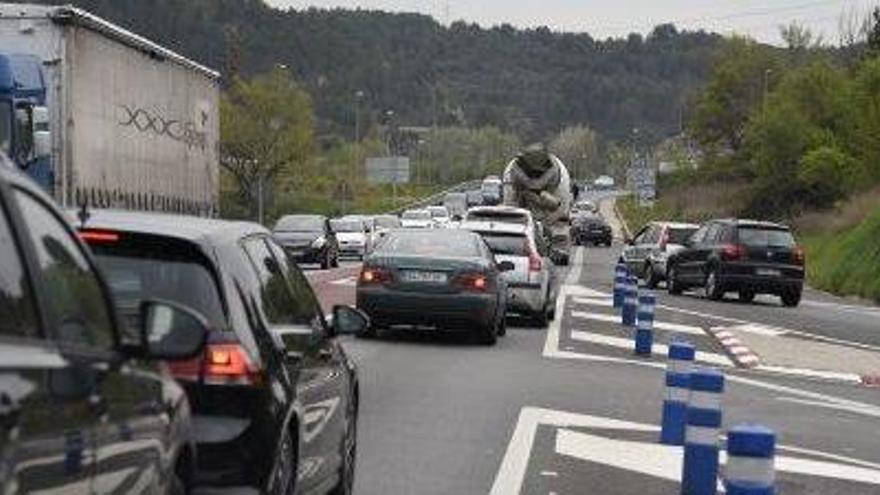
column 659, row 349
column 605, row 302
column 659, row 325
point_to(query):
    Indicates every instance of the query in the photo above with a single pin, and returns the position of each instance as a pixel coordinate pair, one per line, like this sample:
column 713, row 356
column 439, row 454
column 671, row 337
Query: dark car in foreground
column 446, row 279
column 274, row 396
column 744, row 256
column 590, row 228
column 83, row 409
column 308, row 239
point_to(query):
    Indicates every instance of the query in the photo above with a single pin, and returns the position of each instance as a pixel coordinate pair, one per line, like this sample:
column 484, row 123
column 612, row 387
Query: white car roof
column 489, row 226
column 500, row 209
column 678, row 225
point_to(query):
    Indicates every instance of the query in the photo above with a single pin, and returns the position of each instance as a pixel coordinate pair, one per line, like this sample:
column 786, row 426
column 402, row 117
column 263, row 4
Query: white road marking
column 347, row 281
column 659, row 325
column 604, row 302
column 752, row 328
column 549, row 473
column 659, row 349
column 866, row 310
column 817, row 403
column 828, row 375
column 648, row 458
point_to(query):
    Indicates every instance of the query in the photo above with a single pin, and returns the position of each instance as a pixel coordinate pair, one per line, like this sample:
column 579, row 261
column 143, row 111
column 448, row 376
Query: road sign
column 388, row 170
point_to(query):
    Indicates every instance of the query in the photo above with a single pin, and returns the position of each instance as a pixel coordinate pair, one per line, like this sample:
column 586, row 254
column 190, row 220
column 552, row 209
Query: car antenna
column 83, row 214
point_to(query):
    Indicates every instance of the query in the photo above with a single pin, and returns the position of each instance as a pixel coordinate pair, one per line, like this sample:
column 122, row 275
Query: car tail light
column 99, row 236
column 474, row 282
column 374, row 275
column 800, row 257
column 219, row 364
column 535, row 262
column 733, row 252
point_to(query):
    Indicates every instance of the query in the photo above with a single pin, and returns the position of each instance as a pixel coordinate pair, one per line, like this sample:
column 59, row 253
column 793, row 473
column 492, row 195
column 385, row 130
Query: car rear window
column 679, row 235
column 497, row 216
column 762, row 236
column 506, row 244
column 452, row 244
column 150, row 267
column 416, row 215
column 300, row 224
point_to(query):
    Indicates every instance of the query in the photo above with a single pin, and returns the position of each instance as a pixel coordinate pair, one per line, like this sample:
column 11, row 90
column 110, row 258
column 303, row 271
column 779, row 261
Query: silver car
column 646, row 253
column 530, row 288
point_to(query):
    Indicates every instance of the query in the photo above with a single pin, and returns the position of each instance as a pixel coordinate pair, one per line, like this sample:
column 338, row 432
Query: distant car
column 440, row 216
column 85, row 405
column 353, row 237
column 417, row 219
column 445, row 279
column 584, row 206
column 590, row 228
column 272, row 363
column 509, row 214
column 385, row 224
column 744, row 256
column 491, row 190
column 603, row 183
column 474, row 198
column 456, row 203
column 646, row 254
column 308, row 239
column 370, row 227
column 530, row 288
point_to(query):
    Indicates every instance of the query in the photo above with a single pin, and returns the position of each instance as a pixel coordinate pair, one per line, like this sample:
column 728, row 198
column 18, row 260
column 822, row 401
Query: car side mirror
column 171, row 331
column 349, row 321
column 506, row 266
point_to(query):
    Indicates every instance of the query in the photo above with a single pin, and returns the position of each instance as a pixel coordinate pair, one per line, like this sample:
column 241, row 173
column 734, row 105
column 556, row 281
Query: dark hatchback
column 446, row 279
column 743, row 256
column 82, row 410
column 590, row 228
column 274, row 396
column 308, row 239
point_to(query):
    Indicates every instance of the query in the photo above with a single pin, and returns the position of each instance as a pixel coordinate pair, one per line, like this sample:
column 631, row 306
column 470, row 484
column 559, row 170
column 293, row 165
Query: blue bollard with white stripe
column 703, row 424
column 645, row 323
column 678, row 371
column 749, row 469
column 620, row 274
column 630, row 302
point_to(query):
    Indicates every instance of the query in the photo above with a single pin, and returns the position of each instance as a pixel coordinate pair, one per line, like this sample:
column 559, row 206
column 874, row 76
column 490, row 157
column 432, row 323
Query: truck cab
column 24, row 118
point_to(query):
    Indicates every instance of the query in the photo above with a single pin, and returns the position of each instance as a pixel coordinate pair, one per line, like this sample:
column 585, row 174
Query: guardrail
column 438, row 197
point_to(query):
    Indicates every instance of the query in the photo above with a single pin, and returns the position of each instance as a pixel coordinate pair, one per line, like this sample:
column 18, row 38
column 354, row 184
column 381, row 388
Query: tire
column 712, row 287
column 326, row 263
column 176, row 486
column 349, row 458
column 283, row 477
column 502, row 326
column 673, row 286
column 488, row 335
column 541, row 319
column 746, row 296
column 336, row 260
column 791, row 298
column 651, row 279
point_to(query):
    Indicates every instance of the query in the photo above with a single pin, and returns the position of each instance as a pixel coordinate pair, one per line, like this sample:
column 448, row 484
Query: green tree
column 266, row 128
column 578, row 148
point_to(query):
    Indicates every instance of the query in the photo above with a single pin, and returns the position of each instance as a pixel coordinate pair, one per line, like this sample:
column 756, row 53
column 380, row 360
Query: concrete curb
column 741, row 355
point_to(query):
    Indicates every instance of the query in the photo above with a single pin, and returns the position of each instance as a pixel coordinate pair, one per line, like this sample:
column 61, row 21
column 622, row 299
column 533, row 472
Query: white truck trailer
column 101, row 116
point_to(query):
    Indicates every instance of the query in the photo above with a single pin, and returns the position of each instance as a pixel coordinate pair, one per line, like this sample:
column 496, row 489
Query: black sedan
column 308, row 239
column 446, row 279
column 590, row 228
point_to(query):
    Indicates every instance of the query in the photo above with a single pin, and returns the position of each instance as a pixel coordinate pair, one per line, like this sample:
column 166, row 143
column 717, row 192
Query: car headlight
column 319, row 242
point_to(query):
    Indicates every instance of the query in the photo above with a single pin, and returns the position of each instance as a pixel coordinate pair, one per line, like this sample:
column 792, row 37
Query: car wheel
column 283, row 477
column 176, row 485
column 541, row 319
column 326, row 263
column 673, row 286
column 502, row 326
column 651, row 278
column 336, row 260
column 349, row 458
column 488, row 334
column 746, row 296
column 791, row 298
column 712, row 287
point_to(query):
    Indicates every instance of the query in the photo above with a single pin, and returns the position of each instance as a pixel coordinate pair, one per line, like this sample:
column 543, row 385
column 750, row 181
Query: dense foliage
column 532, row 82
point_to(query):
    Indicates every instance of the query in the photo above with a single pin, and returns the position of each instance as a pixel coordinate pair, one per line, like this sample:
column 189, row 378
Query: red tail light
column 800, row 257
column 475, row 282
column 733, row 252
column 374, row 275
column 220, row 364
column 99, row 236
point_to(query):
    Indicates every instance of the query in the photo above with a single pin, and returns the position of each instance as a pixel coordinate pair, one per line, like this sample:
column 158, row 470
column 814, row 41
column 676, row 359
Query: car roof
column 500, row 209
column 677, row 225
column 303, row 215
column 490, row 226
column 741, row 222
column 189, row 228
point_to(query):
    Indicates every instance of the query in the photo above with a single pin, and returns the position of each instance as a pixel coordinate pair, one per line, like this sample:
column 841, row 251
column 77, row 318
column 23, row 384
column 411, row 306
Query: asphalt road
column 569, row 409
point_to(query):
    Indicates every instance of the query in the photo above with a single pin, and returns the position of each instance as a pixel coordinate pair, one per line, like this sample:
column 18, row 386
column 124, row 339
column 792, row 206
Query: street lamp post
column 767, row 73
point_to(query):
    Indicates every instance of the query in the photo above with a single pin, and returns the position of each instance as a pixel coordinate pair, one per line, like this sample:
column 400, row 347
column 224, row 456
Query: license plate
column 768, row 272
column 423, row 277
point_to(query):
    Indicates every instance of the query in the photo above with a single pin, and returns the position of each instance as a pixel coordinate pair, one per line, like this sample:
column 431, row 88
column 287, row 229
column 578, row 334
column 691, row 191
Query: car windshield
column 679, row 235
column 454, row 244
column 438, row 212
column 5, row 126
column 507, row 244
column 347, row 225
column 300, row 224
column 770, row 237
column 166, row 270
column 416, row 215
column 498, row 216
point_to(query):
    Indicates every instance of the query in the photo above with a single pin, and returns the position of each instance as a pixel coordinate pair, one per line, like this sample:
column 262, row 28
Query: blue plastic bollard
column 620, row 278
column 750, row 451
column 630, row 302
column 678, row 371
column 645, row 323
column 700, row 470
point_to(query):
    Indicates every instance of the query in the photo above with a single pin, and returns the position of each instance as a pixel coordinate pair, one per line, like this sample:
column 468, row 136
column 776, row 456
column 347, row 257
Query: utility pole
column 767, row 73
